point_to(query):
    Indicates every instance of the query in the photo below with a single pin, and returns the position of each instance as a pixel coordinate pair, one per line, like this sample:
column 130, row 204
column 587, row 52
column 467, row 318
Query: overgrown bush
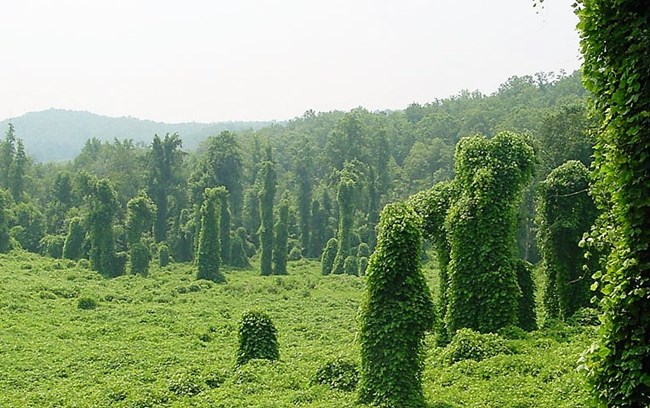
column 52, row 246
column 140, row 258
column 339, row 374
column 73, row 245
column 257, row 338
column 295, row 254
column 468, row 344
column 164, row 256
column 351, row 267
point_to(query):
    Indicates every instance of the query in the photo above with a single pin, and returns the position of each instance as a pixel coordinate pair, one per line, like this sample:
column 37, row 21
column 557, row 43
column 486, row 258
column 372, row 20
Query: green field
column 168, row 340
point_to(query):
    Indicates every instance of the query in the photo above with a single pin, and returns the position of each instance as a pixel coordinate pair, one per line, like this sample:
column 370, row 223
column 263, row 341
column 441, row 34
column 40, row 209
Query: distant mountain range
column 57, row 134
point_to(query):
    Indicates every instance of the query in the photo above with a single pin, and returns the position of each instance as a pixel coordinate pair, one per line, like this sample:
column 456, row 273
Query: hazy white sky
column 215, row 60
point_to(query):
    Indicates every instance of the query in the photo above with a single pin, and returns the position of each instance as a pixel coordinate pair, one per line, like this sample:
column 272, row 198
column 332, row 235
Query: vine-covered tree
column 267, row 195
column 74, row 240
column 224, row 227
column 329, row 254
column 164, row 161
column 396, row 296
column 527, row 314
column 281, row 249
column 565, row 211
column 208, row 256
column 224, row 163
column 318, row 224
column 4, row 227
column 491, row 175
column 17, row 172
column 615, row 45
column 103, row 204
column 345, row 198
column 303, row 171
column 7, row 152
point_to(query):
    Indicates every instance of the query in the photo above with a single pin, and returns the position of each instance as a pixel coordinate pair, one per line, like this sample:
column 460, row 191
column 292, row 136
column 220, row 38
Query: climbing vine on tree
column 140, row 212
column 491, row 175
column 280, row 251
column 103, row 204
column 396, row 297
column 615, row 42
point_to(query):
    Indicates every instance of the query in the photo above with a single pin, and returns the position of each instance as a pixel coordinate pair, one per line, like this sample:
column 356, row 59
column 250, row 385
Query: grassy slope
column 169, row 340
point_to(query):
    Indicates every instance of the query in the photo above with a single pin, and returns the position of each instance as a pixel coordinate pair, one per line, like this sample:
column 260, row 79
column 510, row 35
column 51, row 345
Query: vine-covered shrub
column 433, row 205
column 363, row 250
column 565, row 211
column 52, row 246
column 396, row 297
column 468, row 344
column 295, row 254
column 140, row 258
column 86, row 303
column 351, row 267
column 164, row 255
column 527, row 313
column 327, row 260
column 257, row 338
column 208, row 257
column 4, row 226
column 491, row 175
column 363, row 265
column 238, row 256
column 74, row 240
column 339, row 374
column 615, row 44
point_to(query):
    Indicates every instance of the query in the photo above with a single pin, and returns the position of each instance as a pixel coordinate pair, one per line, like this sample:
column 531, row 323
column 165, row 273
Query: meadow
column 71, row 338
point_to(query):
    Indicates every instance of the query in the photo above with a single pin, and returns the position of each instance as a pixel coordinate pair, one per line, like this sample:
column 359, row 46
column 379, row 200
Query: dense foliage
column 329, row 254
column 281, row 250
column 395, row 313
column 100, row 229
column 615, row 44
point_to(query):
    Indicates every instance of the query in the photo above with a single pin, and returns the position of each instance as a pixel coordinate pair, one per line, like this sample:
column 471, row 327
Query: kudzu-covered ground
column 70, row 338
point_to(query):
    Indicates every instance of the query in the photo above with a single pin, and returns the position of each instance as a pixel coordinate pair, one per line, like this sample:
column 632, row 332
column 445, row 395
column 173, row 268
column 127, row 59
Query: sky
column 216, row 60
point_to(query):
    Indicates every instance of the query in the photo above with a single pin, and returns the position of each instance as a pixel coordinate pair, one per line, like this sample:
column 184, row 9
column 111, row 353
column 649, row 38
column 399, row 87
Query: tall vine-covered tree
column 281, row 249
column 17, row 172
column 164, row 161
column 396, row 297
column 615, row 43
column 7, row 152
column 267, row 195
column 491, row 175
column 208, row 256
column 74, row 240
column 565, row 211
column 4, row 227
column 305, row 188
column 345, row 197
column 103, row 205
column 224, row 227
column 318, row 226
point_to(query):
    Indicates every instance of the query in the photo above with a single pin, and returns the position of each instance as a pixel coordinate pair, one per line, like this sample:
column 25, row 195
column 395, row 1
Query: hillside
column 55, row 134
column 168, row 340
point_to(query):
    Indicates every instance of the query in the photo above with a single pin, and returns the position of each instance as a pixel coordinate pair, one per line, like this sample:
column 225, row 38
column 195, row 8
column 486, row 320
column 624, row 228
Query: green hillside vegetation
column 489, row 194
column 71, row 338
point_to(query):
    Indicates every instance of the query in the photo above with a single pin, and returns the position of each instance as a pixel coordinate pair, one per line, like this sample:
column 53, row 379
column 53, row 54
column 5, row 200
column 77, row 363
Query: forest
column 478, row 250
